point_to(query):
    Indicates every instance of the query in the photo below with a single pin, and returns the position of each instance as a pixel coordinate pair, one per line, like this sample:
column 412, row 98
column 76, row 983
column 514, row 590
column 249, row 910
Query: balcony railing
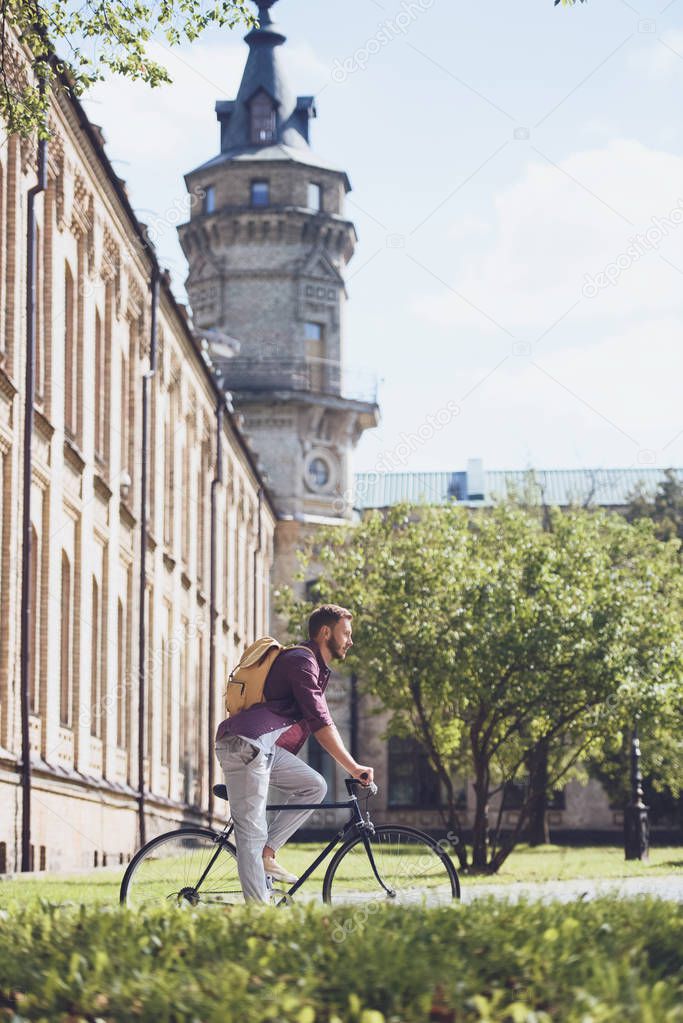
column 319, row 376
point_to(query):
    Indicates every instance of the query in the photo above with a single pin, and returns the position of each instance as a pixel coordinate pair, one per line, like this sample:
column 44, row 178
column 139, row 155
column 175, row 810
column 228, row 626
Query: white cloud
column 559, row 226
column 661, row 57
column 614, row 402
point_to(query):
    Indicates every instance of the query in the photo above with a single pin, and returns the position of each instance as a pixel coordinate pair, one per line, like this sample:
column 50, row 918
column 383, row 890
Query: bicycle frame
column 355, row 823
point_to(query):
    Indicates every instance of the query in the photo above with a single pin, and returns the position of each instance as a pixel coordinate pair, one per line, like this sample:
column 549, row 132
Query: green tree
column 106, row 36
column 495, row 641
column 665, row 508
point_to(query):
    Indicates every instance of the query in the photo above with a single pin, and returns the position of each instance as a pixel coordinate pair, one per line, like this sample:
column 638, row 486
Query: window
column 152, row 658
column 66, row 652
column 125, row 412
column 315, row 355
column 169, row 467
column 202, row 507
column 262, row 119
column 412, row 780
column 70, row 370
column 122, row 681
column 34, row 598
column 209, row 199
column 39, row 285
column 260, row 193
column 185, row 493
column 99, row 387
column 95, row 664
column 167, row 692
column 315, row 196
column 313, row 331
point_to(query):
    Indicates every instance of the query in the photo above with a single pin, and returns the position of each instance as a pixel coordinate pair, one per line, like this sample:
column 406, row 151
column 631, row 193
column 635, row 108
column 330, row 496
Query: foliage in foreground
column 76, row 44
column 598, row 961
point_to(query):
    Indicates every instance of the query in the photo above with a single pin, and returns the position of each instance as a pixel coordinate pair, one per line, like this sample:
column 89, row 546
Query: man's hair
column 328, row 614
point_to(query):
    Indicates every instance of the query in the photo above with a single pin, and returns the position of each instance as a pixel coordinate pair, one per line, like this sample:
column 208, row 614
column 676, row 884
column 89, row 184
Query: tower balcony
column 312, row 375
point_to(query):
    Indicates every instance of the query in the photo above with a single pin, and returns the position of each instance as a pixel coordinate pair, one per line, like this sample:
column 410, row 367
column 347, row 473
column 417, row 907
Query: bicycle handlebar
column 371, row 787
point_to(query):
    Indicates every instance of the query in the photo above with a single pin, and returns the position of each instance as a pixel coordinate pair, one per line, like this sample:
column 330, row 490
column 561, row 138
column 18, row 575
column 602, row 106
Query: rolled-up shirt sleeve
column 307, row 692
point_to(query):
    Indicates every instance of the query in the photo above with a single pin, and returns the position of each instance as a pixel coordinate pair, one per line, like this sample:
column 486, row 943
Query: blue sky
column 517, row 175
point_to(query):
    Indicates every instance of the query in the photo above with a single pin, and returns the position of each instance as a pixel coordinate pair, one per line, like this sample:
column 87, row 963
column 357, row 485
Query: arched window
column 122, row 681
column 125, row 412
column 167, row 694
column 262, row 119
column 99, row 387
column 95, row 664
column 70, row 362
column 185, row 493
column 169, row 465
column 34, row 641
column 39, row 284
column 66, row 653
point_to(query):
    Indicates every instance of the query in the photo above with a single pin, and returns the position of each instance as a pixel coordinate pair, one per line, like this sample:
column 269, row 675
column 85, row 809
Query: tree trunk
column 455, row 836
column 480, row 830
column 537, row 766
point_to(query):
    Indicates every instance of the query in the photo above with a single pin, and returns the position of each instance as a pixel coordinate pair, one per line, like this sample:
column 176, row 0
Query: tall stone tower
column 267, row 243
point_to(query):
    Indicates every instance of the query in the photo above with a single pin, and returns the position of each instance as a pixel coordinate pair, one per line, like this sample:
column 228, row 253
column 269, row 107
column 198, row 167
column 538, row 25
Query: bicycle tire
column 431, row 878
column 177, row 880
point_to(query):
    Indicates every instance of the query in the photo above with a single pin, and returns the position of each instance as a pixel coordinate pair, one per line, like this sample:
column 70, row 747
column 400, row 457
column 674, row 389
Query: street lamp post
column 636, row 821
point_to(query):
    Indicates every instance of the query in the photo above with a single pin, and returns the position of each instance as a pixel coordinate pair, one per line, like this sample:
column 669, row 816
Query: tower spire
column 265, row 112
column 264, row 12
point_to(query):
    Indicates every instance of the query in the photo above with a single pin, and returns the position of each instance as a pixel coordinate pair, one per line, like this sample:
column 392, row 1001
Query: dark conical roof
column 264, row 73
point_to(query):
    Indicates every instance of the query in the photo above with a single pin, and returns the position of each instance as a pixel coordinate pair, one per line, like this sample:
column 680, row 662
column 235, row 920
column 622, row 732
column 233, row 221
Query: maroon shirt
column 294, row 695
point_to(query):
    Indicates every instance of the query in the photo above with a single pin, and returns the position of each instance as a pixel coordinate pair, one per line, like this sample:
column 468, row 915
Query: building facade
column 100, row 339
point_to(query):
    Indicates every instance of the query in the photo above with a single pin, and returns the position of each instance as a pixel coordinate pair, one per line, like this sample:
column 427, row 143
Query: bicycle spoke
column 178, row 868
column 409, row 866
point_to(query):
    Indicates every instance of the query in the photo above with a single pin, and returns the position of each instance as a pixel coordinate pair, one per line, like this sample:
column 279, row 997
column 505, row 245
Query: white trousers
column 253, row 778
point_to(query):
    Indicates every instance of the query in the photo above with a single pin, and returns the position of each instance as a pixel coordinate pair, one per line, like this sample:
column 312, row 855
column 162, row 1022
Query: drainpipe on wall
column 26, row 552
column 213, row 614
column 142, row 665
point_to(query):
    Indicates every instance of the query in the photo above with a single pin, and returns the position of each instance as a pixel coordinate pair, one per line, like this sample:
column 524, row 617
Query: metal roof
column 597, row 487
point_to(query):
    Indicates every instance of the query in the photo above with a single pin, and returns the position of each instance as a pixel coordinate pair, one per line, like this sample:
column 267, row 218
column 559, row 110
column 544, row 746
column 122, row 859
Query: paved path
column 667, row 887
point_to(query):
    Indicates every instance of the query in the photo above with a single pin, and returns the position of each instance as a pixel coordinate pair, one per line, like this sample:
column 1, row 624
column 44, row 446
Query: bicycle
column 198, row 866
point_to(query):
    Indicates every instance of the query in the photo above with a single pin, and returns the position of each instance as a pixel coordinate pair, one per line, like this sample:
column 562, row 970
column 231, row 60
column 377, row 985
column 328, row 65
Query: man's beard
column 337, row 650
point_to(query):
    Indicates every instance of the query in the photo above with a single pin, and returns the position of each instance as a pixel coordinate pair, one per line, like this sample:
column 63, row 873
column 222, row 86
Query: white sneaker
column 278, row 873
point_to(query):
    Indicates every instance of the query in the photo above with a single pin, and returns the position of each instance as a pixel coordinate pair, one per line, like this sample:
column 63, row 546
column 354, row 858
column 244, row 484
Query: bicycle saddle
column 221, row 791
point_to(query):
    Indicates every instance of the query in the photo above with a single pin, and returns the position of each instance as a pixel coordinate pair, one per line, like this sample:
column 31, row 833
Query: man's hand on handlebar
column 365, row 775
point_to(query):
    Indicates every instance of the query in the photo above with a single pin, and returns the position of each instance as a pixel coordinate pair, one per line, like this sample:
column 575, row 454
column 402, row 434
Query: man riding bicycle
column 257, row 748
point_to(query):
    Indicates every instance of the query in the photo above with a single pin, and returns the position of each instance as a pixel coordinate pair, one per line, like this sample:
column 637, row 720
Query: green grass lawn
column 547, row 863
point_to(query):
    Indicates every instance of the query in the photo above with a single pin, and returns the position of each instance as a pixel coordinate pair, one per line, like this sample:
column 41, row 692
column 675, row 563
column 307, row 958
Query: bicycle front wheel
column 191, row 866
column 395, row 864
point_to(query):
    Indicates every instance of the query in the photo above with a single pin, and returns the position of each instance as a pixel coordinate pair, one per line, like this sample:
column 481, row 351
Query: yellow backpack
column 247, row 680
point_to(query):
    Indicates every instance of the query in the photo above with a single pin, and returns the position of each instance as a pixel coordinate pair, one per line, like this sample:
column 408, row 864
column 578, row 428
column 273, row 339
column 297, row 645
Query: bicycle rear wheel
column 395, row 864
column 192, row 866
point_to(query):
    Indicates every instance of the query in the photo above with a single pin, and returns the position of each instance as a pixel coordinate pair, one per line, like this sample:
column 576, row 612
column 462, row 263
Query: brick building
column 107, row 329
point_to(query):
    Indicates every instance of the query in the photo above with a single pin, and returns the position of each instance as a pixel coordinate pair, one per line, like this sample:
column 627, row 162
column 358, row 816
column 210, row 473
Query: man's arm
column 330, row 740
